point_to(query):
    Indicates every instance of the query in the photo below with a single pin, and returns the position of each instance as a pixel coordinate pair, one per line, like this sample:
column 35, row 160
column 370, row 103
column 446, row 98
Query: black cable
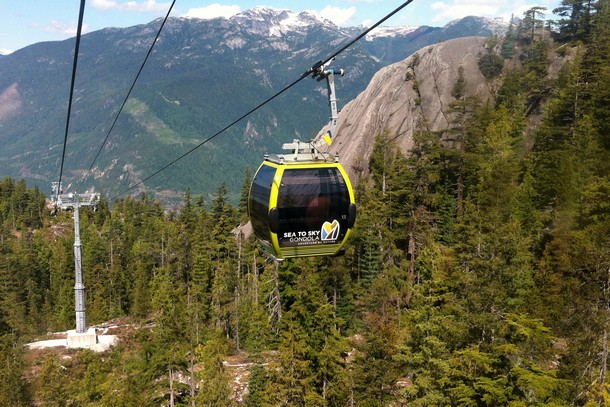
column 358, row 38
column 81, row 15
column 130, row 90
column 213, row 136
column 311, row 70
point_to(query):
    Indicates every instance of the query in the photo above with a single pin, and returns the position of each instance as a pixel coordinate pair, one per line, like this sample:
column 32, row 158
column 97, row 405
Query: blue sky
column 25, row 22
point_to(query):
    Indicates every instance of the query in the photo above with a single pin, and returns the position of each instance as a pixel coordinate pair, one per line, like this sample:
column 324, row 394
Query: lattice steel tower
column 75, row 201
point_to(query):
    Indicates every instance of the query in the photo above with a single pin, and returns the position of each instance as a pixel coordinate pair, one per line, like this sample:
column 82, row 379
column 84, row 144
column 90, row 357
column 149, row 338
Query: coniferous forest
column 478, row 273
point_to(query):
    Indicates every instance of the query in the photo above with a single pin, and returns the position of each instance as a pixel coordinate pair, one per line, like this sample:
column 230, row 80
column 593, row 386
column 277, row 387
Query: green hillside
column 478, row 273
column 201, row 76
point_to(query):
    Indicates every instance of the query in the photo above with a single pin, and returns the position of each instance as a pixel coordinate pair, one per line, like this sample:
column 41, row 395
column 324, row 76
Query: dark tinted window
column 309, row 198
column 259, row 201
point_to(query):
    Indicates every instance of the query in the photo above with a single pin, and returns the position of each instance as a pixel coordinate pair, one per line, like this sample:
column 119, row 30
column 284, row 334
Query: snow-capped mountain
column 202, row 75
column 275, row 23
column 386, row 31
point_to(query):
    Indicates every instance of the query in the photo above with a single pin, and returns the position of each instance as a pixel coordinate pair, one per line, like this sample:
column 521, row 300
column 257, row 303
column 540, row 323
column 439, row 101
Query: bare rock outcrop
column 411, row 93
column 10, row 102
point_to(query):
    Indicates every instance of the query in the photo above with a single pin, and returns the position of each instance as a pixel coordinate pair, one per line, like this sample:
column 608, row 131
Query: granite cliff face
column 394, row 102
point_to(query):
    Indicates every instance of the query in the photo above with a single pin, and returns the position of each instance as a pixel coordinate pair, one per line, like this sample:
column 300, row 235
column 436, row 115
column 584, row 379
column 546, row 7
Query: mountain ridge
column 202, row 75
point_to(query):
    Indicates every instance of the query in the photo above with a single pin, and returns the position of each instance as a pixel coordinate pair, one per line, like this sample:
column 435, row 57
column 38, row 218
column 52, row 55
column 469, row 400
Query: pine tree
column 140, row 295
column 457, row 138
column 575, row 24
column 375, row 370
column 596, row 73
column 509, row 44
column 532, row 23
column 215, row 388
column 182, row 243
column 291, row 381
column 245, row 192
column 433, row 326
column 168, row 304
column 13, row 387
column 52, row 382
column 310, row 369
column 202, row 275
column 256, row 386
column 490, row 63
column 12, row 306
column 62, row 283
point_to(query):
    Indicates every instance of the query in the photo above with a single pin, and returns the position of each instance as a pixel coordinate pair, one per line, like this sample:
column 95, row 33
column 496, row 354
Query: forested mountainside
column 478, row 273
column 201, row 76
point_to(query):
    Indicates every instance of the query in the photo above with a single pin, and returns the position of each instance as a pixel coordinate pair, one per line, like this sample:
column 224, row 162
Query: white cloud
column 450, row 10
column 519, row 7
column 68, row 30
column 453, row 9
column 339, row 16
column 212, row 11
column 363, row 1
column 4, row 51
column 104, row 4
column 134, row 6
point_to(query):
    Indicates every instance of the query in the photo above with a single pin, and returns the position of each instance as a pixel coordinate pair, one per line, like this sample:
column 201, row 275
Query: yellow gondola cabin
column 302, row 203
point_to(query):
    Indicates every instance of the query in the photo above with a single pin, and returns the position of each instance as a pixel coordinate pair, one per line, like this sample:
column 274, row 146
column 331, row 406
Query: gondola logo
column 330, row 231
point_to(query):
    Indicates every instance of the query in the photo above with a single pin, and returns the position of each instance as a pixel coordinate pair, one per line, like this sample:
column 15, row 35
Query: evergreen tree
column 433, row 326
column 13, row 387
column 457, row 139
column 256, row 386
column 202, row 275
column 508, row 48
column 375, row 371
column 532, row 23
column 490, row 63
column 52, row 382
column 596, row 73
column 181, row 245
column 140, row 295
column 575, row 21
column 215, row 388
column 245, row 192
column 292, row 381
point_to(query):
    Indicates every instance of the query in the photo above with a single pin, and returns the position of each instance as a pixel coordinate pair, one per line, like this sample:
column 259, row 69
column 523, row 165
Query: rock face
column 406, row 95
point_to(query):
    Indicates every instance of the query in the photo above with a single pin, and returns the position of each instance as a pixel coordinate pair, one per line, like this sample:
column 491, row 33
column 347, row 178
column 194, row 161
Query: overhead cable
column 307, row 73
column 130, row 90
column 81, row 15
column 358, row 38
column 211, row 137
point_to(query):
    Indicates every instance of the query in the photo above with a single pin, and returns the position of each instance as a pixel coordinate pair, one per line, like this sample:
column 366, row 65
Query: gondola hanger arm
column 300, row 150
column 325, row 72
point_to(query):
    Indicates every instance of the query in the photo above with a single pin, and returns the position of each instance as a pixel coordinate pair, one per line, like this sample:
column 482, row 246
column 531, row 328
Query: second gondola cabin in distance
column 302, row 203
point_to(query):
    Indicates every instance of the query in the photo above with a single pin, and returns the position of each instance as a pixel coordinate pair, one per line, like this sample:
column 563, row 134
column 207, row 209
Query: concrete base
column 82, row 340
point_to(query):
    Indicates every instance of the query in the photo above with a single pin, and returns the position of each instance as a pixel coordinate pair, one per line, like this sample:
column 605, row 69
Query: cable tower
column 73, row 201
